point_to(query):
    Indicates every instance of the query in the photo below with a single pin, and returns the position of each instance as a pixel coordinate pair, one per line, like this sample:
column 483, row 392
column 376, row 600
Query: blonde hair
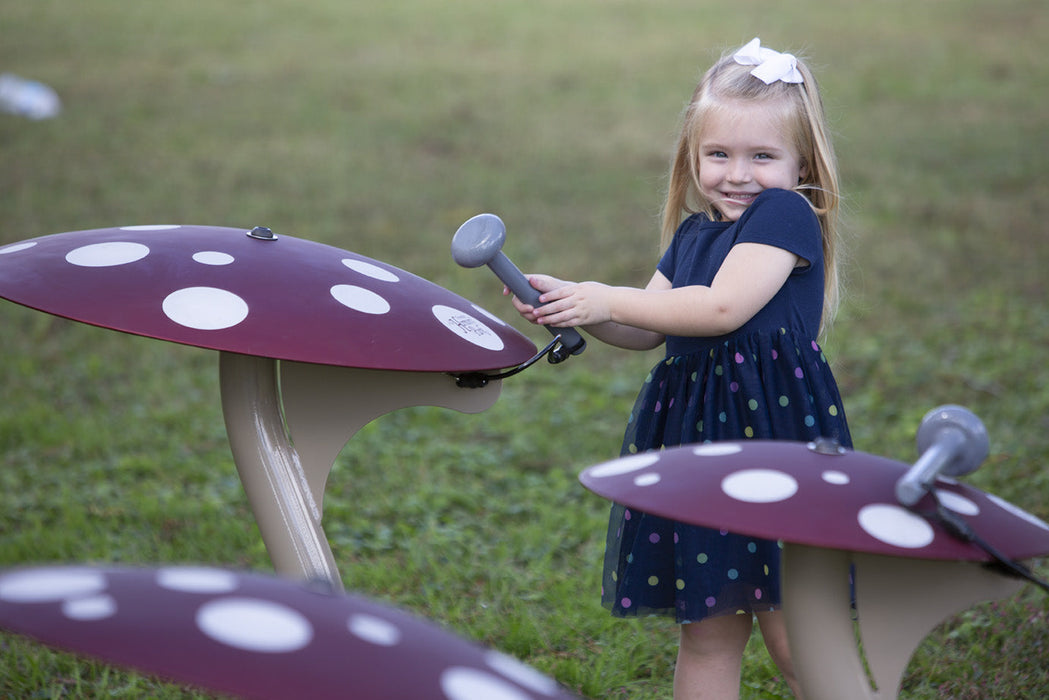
column 801, row 109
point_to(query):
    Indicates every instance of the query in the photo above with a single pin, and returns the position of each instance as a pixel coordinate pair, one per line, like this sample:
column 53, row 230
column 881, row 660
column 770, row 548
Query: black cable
column 960, row 529
column 475, row 380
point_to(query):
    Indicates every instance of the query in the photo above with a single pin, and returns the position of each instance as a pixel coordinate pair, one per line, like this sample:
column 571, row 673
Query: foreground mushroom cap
column 796, row 492
column 256, row 636
column 283, row 297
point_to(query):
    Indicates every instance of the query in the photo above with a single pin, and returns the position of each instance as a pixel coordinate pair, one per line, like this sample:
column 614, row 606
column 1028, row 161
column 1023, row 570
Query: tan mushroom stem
column 899, row 600
column 288, row 421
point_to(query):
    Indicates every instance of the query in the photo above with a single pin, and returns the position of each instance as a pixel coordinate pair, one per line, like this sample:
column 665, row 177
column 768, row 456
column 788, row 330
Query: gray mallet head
column 478, row 240
column 973, row 447
column 952, row 441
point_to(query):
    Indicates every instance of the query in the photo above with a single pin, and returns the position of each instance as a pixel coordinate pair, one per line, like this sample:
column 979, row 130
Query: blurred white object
column 28, row 98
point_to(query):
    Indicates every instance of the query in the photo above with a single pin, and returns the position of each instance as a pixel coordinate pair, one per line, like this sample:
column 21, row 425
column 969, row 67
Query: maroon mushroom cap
column 798, row 492
column 285, row 298
column 256, row 636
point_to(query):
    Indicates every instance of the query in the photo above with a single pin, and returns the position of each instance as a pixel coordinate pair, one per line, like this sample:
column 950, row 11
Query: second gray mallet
column 952, row 441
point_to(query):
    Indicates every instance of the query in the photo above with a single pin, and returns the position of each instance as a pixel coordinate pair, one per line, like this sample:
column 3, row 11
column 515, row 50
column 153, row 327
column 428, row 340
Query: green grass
column 380, row 127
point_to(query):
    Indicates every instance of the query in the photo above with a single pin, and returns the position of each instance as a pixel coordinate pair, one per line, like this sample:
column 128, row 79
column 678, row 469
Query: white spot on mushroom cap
column 205, row 308
column 520, row 673
column 467, row 327
column 108, row 254
column 191, row 579
column 647, row 480
column 371, row 270
column 957, row 503
column 624, row 465
column 254, row 625
column 81, row 592
column 360, row 299
column 97, row 607
column 213, row 257
column 759, row 485
column 374, row 630
column 833, row 476
column 16, row 247
column 716, row 449
column 462, row 683
column 895, row 525
column 40, row 586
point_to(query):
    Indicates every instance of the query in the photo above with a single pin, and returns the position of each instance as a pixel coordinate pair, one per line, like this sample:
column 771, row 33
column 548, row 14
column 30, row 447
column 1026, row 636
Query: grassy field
column 379, row 128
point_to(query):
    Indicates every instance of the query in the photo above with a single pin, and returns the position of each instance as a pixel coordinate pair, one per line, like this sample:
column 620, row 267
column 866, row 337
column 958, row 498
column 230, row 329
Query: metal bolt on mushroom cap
column 279, row 296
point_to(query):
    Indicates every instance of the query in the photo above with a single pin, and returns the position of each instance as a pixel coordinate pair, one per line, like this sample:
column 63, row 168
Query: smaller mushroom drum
column 796, row 492
column 837, row 513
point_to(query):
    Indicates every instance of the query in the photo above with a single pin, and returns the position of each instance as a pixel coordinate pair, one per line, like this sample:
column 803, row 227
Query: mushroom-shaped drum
column 256, row 636
column 314, row 343
column 814, row 494
column 845, row 539
column 257, row 294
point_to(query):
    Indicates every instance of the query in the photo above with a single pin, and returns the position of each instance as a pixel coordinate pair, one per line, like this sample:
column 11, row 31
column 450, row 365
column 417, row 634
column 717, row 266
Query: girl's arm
column 630, row 337
column 611, row 332
column 749, row 277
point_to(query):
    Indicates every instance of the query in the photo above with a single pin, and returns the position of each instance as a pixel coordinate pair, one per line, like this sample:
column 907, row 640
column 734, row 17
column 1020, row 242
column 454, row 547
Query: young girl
column 739, row 297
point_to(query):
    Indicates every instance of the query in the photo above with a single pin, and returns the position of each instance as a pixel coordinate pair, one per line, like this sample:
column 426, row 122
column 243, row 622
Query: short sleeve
column 683, row 245
column 667, row 263
column 783, row 219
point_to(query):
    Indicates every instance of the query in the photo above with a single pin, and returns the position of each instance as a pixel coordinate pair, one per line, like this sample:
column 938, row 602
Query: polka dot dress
column 769, row 380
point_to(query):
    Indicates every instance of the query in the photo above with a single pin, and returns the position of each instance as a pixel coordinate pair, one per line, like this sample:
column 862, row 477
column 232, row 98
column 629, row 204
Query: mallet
column 952, row 441
column 479, row 241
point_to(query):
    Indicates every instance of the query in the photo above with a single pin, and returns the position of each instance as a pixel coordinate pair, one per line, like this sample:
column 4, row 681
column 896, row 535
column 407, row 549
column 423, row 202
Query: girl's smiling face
column 743, row 150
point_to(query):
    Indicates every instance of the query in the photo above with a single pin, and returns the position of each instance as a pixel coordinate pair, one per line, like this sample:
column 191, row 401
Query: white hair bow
column 771, row 65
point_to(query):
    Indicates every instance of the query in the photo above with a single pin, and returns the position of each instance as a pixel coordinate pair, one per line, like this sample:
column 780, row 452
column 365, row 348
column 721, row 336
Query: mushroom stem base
column 288, row 516
column 898, row 602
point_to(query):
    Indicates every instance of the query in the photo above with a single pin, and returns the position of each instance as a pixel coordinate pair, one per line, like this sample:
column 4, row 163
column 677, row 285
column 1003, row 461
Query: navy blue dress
column 767, row 380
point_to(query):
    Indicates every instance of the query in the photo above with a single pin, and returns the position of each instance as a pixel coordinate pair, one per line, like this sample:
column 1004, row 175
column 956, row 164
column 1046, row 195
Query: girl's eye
column 764, row 156
column 717, row 154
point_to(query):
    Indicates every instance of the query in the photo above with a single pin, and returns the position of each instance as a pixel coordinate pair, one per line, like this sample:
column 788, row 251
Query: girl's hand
column 564, row 301
column 583, row 304
column 543, row 283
